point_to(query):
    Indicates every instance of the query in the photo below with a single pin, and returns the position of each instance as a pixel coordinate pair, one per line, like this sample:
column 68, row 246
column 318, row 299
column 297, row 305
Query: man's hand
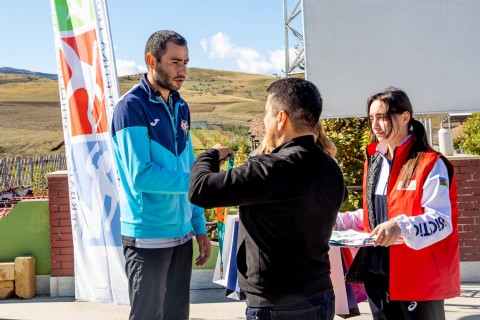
column 204, row 249
column 225, row 152
column 385, row 234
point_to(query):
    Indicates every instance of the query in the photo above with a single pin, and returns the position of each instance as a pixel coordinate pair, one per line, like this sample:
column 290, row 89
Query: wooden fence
column 23, row 172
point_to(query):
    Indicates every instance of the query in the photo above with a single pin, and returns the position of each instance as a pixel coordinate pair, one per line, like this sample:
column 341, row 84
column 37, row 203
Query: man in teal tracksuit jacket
column 154, row 153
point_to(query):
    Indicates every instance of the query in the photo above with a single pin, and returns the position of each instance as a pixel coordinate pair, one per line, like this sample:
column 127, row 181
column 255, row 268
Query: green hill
column 31, row 121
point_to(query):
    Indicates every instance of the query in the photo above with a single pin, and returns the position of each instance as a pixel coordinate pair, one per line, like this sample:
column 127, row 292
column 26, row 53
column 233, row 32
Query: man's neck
column 164, row 92
column 286, row 136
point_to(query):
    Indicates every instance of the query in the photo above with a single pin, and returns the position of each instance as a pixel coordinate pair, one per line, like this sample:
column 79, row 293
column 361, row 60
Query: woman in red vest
column 408, row 192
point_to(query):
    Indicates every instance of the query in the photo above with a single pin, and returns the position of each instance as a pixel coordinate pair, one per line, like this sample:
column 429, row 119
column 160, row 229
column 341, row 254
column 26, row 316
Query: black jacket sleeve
column 262, row 178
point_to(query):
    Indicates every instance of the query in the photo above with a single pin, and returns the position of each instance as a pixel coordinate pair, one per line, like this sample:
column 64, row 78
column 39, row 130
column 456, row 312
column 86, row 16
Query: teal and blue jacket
column 154, row 153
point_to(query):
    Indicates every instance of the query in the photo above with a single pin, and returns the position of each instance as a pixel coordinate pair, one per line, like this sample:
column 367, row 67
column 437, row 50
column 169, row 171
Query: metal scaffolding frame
column 290, row 18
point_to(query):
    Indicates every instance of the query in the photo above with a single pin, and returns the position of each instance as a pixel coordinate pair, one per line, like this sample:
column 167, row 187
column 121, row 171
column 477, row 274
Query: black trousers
column 159, row 282
column 383, row 308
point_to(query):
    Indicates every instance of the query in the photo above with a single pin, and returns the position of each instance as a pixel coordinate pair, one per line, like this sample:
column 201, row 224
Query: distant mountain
column 28, row 72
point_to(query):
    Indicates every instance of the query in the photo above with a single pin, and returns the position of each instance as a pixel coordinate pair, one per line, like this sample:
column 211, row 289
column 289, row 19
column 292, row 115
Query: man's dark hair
column 157, row 43
column 300, row 99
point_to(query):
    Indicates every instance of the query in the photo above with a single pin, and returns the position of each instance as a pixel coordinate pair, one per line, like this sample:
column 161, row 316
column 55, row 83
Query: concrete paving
column 208, row 301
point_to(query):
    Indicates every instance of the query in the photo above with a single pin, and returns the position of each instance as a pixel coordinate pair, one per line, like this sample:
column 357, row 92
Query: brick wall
column 467, row 174
column 60, row 225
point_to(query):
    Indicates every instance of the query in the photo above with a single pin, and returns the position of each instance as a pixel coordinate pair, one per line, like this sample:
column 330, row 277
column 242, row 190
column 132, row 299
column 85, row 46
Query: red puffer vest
column 432, row 273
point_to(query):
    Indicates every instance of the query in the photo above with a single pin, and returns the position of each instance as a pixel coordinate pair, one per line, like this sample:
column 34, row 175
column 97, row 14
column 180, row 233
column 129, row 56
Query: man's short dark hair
column 300, row 99
column 157, row 42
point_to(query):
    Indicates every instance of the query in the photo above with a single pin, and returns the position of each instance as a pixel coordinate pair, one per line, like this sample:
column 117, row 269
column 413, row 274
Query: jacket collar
column 302, row 140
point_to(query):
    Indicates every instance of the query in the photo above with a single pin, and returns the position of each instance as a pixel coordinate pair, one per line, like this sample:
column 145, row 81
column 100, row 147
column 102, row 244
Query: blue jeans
column 318, row 307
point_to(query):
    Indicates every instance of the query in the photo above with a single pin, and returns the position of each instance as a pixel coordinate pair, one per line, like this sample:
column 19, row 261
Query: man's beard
column 162, row 79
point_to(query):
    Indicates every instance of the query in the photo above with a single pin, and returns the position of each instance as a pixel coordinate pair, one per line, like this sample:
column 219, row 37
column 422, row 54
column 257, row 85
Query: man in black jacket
column 288, row 201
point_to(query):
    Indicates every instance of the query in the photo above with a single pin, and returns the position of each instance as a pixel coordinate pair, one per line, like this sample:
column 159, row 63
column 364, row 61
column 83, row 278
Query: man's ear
column 150, row 60
column 282, row 118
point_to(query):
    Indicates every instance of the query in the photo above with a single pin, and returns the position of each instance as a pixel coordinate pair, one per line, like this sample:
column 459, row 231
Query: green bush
column 458, row 142
column 350, row 136
column 471, row 135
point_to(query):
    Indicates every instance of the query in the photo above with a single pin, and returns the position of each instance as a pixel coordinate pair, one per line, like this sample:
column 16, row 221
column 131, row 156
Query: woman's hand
column 385, row 234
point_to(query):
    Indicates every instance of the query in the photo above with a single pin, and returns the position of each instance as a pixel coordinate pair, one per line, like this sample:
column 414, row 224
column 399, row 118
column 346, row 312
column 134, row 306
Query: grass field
column 31, row 120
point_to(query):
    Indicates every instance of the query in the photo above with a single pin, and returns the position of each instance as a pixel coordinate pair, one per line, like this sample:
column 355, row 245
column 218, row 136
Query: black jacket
column 289, row 201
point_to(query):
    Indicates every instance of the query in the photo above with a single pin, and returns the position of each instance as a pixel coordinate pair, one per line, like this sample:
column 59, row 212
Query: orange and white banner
column 89, row 90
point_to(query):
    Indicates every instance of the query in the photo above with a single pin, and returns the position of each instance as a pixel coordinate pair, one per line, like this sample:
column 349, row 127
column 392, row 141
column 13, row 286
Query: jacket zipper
column 173, row 120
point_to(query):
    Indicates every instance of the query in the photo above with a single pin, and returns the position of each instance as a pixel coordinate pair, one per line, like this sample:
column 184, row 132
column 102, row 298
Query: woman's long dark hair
column 397, row 102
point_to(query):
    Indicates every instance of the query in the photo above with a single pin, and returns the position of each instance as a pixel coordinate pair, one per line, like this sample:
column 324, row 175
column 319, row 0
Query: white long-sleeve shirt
column 420, row 231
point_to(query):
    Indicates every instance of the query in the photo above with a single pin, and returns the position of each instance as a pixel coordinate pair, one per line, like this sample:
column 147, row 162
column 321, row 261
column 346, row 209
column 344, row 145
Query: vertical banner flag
column 88, row 88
